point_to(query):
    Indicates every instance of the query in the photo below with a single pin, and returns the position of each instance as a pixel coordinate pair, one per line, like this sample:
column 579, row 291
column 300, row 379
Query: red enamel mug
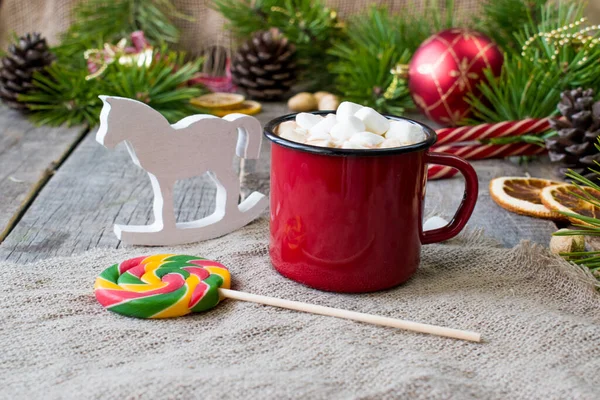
column 350, row 220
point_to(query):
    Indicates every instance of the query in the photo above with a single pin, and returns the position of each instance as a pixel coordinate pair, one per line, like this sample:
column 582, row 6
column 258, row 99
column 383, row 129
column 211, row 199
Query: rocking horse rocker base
column 206, row 228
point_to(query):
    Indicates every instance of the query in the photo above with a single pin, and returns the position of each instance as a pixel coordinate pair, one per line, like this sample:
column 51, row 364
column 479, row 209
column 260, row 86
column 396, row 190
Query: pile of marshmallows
column 351, row 127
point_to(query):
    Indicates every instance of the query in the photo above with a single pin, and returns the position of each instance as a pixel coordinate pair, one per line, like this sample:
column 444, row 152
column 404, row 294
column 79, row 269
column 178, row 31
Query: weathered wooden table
column 61, row 192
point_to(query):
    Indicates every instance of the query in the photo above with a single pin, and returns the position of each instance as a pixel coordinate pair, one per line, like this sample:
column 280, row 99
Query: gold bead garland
column 560, row 37
column 400, row 72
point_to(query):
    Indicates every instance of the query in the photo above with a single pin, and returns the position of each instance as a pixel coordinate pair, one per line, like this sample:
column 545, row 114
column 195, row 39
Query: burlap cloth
column 540, row 318
column 206, row 29
column 53, row 16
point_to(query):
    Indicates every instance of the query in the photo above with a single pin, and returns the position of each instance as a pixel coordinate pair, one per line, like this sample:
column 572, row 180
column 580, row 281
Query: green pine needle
column 308, row 24
column 524, row 89
column 363, row 81
column 530, row 83
column 531, row 139
column 99, row 21
column 501, row 19
column 588, row 226
column 376, row 42
column 63, row 96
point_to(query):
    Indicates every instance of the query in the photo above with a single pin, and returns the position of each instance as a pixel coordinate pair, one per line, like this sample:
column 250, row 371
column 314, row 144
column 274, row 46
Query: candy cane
column 440, row 172
column 169, row 285
column 488, row 131
column 485, row 151
column 480, row 152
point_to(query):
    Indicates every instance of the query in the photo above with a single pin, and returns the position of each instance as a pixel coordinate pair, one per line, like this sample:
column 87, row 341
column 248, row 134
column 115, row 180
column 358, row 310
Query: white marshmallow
column 287, row 126
column 297, row 135
column 388, row 143
column 347, row 109
column 367, row 139
column 434, row 223
column 343, row 130
column 405, row 132
column 308, row 120
column 323, row 126
column 321, row 143
column 351, row 145
column 374, row 121
column 291, row 131
column 319, row 135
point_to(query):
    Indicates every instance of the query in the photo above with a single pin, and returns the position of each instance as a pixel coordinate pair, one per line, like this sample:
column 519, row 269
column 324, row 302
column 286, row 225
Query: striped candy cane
column 480, row 152
column 495, row 130
column 485, row 151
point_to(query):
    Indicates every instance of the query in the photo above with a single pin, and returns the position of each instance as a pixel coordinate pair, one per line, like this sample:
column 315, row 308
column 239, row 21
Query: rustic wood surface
column 28, row 157
column 95, row 188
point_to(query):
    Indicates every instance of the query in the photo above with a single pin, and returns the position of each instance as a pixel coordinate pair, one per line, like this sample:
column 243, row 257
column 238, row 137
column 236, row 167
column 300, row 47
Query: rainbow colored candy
column 161, row 286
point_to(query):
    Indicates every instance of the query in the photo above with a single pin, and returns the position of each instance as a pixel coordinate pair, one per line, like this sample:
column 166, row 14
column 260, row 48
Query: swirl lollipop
column 169, row 285
column 161, row 286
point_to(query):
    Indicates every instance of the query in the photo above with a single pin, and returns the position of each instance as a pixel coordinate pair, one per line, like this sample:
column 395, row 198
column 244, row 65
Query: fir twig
column 64, row 96
column 376, row 43
column 530, row 83
column 501, row 19
column 589, row 226
column 309, row 24
column 99, row 21
column 531, row 139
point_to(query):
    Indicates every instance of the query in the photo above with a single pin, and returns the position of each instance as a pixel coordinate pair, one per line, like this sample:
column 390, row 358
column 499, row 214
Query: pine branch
column 99, row 21
column 63, row 96
column 588, row 259
column 525, row 89
column 308, row 24
column 376, row 43
column 530, row 83
column 501, row 19
column 244, row 17
column 162, row 85
column 363, row 81
column 531, row 139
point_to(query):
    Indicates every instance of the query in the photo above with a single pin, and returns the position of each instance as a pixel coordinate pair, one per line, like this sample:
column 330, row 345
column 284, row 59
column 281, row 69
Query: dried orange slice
column 248, row 107
column 522, row 196
column 218, row 100
column 561, row 198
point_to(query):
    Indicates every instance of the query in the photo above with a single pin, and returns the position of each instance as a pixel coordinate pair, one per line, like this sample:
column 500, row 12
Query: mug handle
column 465, row 209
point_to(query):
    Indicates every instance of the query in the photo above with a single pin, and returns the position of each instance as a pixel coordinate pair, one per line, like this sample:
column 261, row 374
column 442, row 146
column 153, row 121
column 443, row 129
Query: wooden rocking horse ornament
column 191, row 147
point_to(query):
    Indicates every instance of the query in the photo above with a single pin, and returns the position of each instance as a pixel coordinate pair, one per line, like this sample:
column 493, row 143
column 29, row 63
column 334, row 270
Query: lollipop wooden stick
column 352, row 315
column 171, row 285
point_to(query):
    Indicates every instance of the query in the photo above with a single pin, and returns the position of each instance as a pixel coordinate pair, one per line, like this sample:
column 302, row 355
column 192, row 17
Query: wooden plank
column 254, row 174
column 94, row 189
column 443, row 197
column 29, row 156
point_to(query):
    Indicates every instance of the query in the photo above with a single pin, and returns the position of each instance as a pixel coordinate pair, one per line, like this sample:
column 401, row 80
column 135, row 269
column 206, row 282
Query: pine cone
column 264, row 67
column 574, row 145
column 23, row 58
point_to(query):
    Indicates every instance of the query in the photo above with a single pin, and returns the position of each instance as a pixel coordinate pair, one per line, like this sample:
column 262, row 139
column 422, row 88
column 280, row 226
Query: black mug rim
column 269, row 132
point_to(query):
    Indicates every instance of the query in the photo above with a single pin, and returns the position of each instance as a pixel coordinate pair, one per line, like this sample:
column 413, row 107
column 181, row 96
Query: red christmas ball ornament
column 448, row 66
